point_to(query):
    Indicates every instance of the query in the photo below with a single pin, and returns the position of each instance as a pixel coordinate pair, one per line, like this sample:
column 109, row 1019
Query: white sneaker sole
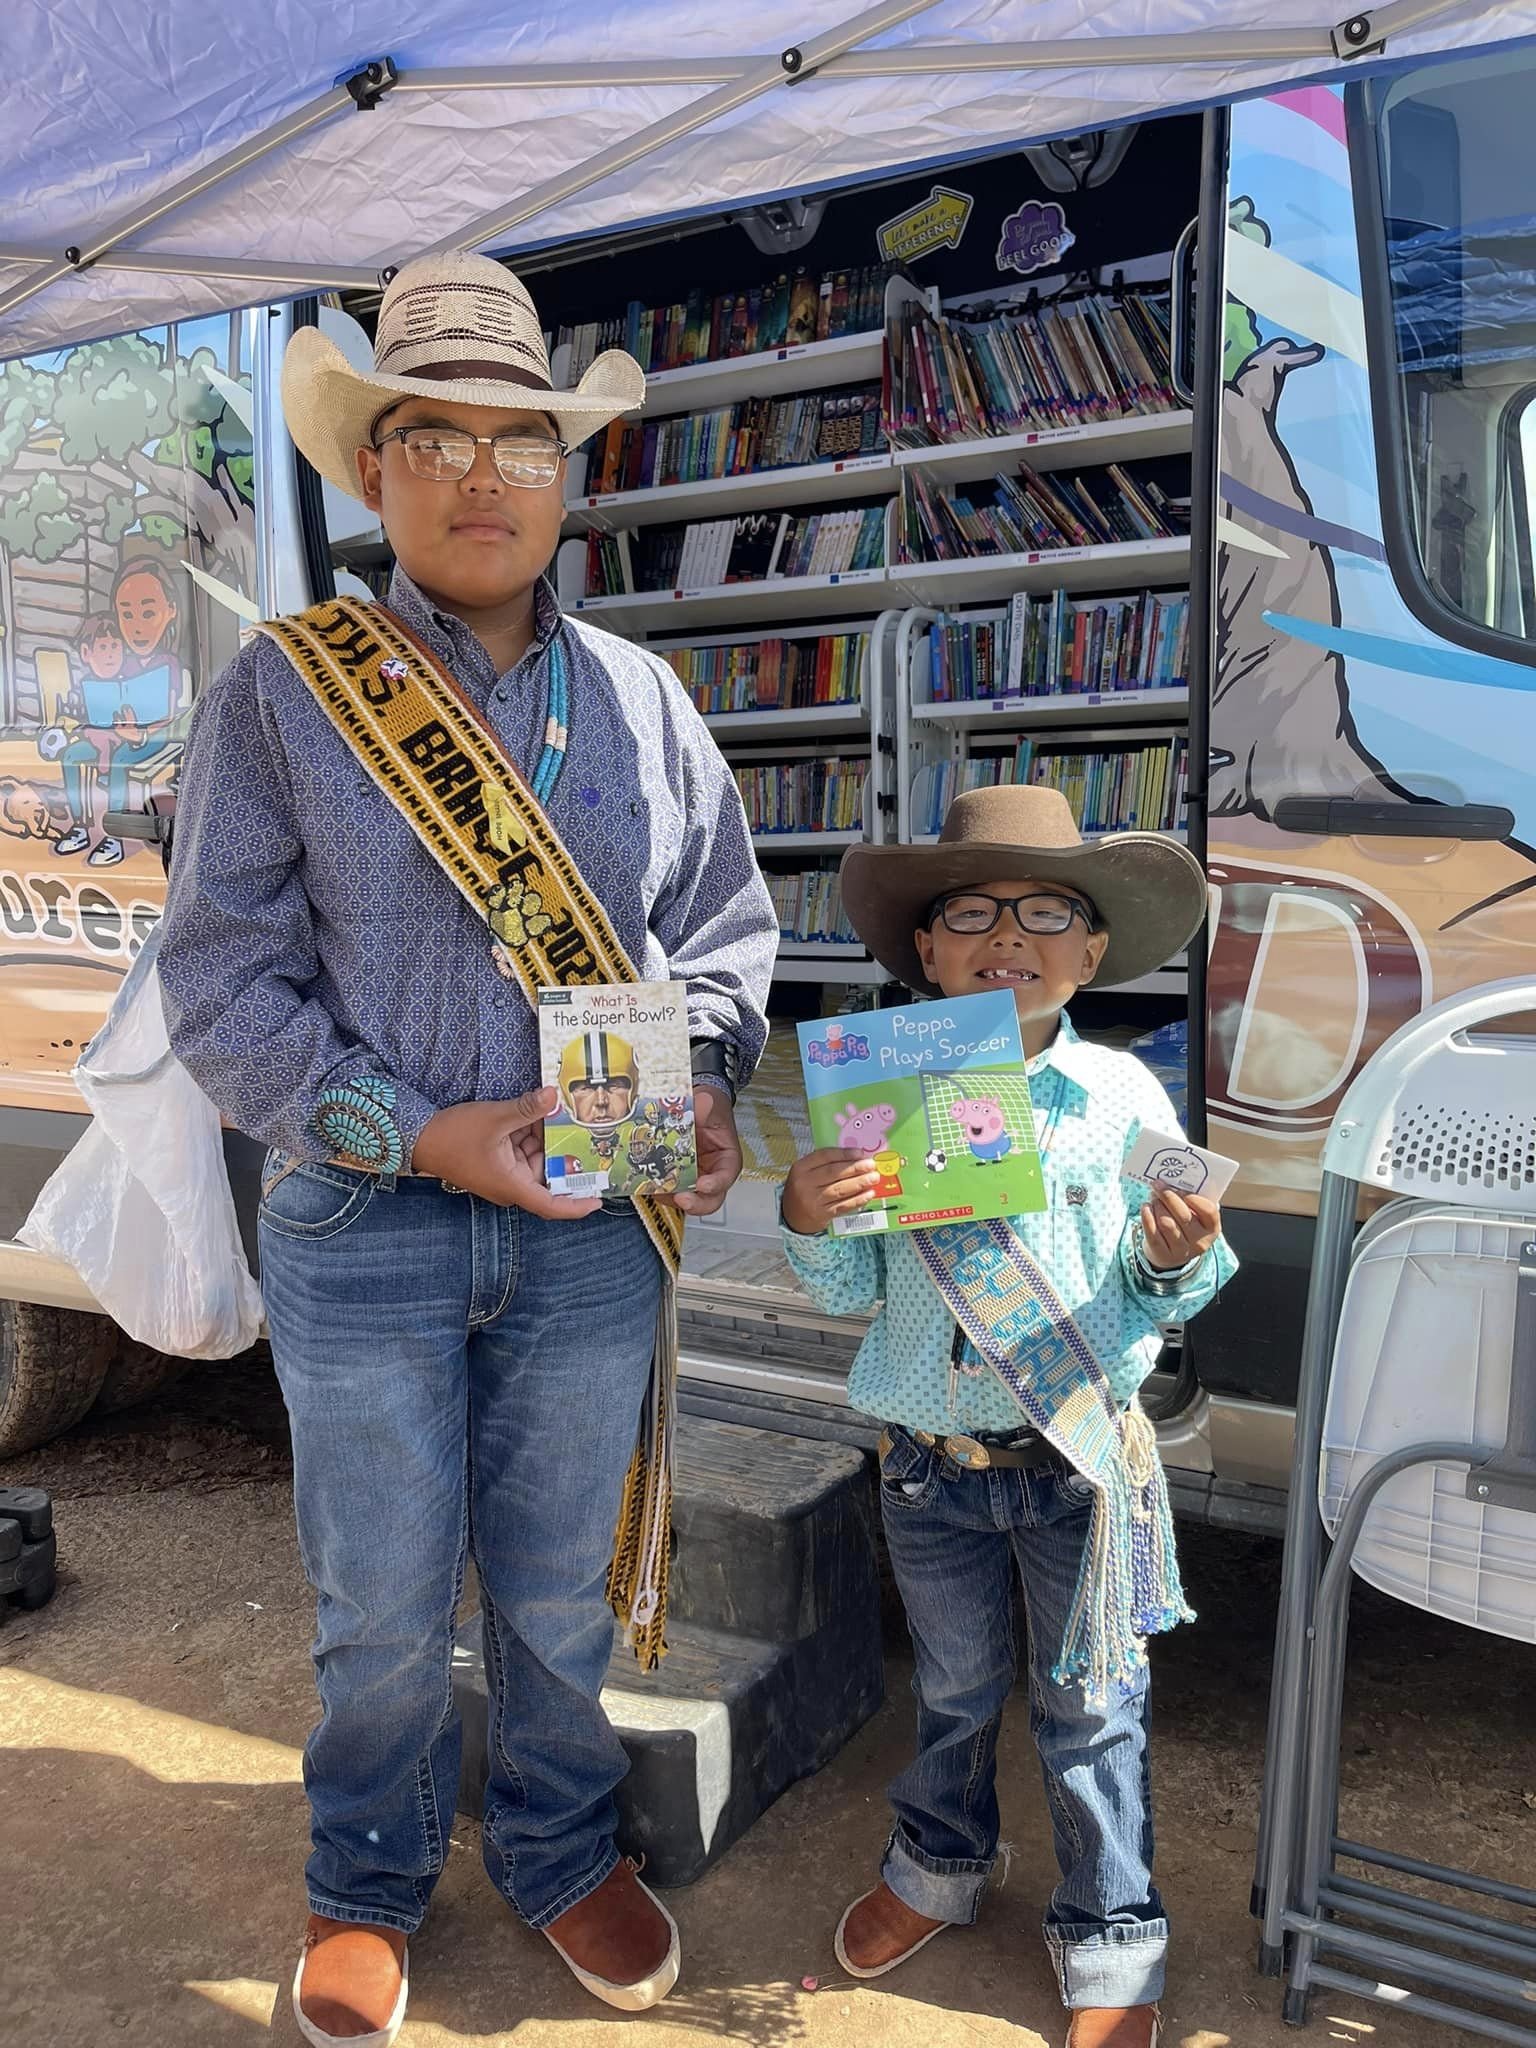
column 648, row 1991
column 896, row 1961
column 382, row 2037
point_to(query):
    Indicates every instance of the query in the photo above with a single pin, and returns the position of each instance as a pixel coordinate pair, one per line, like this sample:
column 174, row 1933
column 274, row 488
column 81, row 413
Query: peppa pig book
column 936, row 1093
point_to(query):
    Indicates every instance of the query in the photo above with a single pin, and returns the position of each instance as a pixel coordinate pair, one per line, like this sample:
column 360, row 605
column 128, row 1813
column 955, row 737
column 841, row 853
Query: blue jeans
column 457, row 1376
column 955, row 1538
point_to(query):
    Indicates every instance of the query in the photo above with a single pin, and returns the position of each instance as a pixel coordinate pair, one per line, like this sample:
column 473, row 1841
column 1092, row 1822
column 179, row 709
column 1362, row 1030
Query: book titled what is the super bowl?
column 618, row 1054
column 937, row 1095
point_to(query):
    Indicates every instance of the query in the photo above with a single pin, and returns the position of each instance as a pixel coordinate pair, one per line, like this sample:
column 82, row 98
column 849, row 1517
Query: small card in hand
column 1166, row 1160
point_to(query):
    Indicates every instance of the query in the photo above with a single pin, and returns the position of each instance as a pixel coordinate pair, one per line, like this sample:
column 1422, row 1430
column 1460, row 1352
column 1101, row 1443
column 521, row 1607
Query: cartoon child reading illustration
column 127, row 702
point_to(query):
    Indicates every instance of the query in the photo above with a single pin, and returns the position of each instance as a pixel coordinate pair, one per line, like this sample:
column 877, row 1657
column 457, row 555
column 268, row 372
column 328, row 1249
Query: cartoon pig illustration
column 981, row 1118
column 864, row 1129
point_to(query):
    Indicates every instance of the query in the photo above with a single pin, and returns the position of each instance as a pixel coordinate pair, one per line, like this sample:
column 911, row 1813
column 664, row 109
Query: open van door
column 1372, row 713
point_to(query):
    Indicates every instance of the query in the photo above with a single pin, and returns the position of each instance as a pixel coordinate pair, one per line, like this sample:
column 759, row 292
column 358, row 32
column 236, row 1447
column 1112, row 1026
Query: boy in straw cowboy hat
column 396, row 824
column 1004, row 1364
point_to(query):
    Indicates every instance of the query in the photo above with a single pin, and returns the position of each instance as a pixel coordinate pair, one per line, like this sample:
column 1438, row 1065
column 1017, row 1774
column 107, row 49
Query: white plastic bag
column 141, row 1208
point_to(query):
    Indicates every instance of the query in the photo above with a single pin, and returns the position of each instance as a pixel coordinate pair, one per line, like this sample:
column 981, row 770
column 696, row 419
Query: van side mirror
column 157, row 825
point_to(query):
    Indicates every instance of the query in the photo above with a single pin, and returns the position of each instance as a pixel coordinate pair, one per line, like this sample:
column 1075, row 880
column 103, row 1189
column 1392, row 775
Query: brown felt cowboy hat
column 1148, row 890
column 457, row 328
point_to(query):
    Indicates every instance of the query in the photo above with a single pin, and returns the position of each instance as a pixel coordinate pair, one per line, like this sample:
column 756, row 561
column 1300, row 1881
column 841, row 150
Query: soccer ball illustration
column 936, row 1161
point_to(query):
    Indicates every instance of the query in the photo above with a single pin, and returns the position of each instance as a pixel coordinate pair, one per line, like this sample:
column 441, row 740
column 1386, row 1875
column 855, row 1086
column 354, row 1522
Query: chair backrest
column 1446, row 1110
column 1426, row 1353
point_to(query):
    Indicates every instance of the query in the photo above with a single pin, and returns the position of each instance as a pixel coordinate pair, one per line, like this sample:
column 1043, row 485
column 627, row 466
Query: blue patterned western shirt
column 314, row 951
column 1091, row 1104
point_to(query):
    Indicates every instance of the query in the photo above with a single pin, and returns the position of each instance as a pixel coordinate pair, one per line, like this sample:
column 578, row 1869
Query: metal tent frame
column 118, row 244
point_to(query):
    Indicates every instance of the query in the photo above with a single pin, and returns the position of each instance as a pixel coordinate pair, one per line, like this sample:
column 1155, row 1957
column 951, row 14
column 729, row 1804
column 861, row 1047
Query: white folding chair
column 1416, row 1423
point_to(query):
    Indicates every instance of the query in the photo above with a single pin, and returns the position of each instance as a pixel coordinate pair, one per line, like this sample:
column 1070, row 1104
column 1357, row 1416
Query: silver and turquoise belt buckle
column 967, row 1452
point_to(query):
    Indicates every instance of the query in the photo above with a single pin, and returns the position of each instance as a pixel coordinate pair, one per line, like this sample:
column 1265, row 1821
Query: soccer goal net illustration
column 976, row 1115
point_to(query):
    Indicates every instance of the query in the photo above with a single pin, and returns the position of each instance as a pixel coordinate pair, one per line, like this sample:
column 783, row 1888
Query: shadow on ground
column 151, row 1721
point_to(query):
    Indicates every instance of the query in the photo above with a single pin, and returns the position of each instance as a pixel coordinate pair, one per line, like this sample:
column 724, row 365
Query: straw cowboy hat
column 1147, row 888
column 458, row 328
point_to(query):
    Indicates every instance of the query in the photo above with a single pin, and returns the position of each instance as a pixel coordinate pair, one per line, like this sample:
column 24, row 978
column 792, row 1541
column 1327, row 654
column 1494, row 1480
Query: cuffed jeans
column 456, row 1375
column 955, row 1538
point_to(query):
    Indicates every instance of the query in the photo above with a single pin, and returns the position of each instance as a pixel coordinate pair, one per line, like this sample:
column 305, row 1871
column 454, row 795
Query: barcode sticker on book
column 578, row 1185
column 860, row 1223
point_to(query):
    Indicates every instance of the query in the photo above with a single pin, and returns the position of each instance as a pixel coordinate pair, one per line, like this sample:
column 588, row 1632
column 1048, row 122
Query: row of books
column 756, row 547
column 773, row 675
column 736, row 440
column 786, row 312
column 1001, row 370
column 1140, row 785
column 1031, row 513
column 1060, row 646
column 1120, row 789
column 804, row 796
column 810, row 908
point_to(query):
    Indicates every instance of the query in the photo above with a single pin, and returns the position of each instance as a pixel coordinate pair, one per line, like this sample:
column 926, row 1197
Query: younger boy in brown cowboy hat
column 1004, row 1362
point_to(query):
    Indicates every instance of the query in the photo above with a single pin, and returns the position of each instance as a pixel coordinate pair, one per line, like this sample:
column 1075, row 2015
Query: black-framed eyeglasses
column 529, row 462
column 971, row 913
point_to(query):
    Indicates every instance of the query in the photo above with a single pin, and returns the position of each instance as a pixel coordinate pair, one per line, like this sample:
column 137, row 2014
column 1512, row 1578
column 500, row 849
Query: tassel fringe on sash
column 425, row 746
column 1129, row 1586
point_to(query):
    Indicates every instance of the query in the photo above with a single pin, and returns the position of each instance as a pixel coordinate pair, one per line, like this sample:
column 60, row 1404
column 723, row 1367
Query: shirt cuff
column 812, row 1251
column 371, row 1123
column 1157, row 1280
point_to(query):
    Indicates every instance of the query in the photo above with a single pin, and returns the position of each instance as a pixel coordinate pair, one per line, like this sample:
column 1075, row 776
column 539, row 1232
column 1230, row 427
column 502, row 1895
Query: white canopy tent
column 167, row 158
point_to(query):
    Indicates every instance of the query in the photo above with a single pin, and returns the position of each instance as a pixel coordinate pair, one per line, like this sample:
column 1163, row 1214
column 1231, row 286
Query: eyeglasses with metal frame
column 529, row 462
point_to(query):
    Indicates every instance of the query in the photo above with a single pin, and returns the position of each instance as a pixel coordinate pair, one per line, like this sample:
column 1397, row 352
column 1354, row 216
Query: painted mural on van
column 1326, row 684
column 127, row 567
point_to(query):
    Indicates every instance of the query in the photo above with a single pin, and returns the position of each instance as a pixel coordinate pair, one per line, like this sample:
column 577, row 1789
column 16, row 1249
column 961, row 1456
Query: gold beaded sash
column 425, row 746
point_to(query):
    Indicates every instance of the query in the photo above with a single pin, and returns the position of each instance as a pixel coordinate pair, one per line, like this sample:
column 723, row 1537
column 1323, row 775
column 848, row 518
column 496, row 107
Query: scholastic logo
column 838, row 1049
column 939, row 1215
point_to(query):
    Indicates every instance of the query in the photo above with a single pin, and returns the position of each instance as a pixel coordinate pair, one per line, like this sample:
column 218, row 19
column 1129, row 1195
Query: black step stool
column 28, row 1547
column 775, row 1659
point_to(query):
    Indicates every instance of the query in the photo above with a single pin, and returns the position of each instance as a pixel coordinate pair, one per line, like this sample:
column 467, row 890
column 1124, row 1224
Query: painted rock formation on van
column 1280, row 708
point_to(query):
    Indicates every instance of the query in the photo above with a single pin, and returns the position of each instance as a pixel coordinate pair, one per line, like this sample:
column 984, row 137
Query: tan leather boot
column 351, row 1985
column 620, row 1943
column 1114, row 2026
column 877, row 1932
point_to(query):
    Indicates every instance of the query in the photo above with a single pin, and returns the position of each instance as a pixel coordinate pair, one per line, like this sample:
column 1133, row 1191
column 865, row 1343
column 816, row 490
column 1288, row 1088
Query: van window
column 1456, row 177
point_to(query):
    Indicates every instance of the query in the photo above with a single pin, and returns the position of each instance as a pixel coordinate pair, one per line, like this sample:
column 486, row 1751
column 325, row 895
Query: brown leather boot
column 1114, row 2026
column 620, row 1943
column 877, row 1932
column 350, row 1988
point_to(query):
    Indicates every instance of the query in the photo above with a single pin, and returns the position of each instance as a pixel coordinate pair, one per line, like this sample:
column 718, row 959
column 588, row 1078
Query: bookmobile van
column 1361, row 708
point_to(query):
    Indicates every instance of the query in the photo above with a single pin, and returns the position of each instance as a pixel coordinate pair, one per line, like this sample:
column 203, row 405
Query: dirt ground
column 153, row 1826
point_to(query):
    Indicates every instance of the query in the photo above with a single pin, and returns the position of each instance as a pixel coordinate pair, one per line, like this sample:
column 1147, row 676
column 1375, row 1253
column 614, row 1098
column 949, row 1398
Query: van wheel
column 52, row 1365
column 137, row 1371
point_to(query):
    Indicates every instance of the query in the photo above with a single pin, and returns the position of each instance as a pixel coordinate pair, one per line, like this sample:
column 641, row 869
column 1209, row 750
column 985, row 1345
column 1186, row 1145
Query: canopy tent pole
column 1361, row 32
column 287, row 277
column 362, row 90
column 766, row 73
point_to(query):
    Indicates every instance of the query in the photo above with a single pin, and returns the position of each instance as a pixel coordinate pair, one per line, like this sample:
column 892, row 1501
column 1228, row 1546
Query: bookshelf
column 769, row 373
column 1142, row 437
column 891, row 728
column 934, row 734
column 810, row 483
column 860, row 728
